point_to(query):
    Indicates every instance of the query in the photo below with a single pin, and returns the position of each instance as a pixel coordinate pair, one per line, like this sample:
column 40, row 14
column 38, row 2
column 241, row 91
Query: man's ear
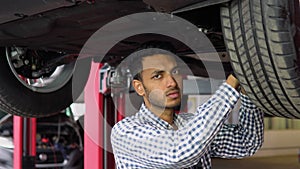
column 138, row 87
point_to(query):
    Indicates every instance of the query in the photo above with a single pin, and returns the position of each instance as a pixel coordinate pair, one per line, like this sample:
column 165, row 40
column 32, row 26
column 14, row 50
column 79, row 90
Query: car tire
column 262, row 39
column 17, row 99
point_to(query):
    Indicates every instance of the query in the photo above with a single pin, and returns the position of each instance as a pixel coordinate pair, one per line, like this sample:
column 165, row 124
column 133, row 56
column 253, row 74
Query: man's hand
column 232, row 81
column 243, row 91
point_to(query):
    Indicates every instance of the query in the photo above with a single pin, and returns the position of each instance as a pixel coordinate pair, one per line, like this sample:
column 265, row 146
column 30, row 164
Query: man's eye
column 156, row 77
column 176, row 72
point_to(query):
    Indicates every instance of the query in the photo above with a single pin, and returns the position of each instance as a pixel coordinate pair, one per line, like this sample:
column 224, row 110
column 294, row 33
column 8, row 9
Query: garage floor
column 280, row 162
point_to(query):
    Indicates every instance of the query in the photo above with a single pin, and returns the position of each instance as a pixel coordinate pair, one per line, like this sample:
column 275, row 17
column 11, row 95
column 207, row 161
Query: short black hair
column 148, row 49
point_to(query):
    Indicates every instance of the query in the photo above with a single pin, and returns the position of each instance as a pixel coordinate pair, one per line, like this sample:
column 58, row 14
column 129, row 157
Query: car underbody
column 261, row 38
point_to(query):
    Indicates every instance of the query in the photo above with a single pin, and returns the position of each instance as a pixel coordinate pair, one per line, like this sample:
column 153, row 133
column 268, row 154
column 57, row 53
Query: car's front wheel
column 30, row 86
column 262, row 38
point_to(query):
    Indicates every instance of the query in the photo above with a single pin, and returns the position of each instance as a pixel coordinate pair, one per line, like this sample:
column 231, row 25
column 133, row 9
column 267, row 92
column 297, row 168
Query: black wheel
column 262, row 38
column 35, row 94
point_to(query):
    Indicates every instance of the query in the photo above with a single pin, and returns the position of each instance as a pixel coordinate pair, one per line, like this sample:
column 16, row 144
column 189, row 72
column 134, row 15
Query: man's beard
column 160, row 103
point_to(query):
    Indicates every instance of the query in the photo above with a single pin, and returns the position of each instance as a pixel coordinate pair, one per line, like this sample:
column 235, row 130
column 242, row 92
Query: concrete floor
column 280, row 162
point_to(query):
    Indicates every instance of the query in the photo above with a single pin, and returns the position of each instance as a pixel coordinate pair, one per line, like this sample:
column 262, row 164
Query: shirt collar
column 147, row 115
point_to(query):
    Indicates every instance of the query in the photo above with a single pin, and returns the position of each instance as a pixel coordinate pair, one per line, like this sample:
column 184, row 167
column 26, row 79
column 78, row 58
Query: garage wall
column 280, row 142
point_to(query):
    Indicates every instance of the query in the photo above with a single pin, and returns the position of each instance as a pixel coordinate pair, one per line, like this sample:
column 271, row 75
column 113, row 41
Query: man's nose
column 171, row 82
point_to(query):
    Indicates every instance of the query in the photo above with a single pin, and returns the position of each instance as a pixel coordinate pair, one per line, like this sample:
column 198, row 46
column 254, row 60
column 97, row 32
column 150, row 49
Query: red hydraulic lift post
column 99, row 119
column 110, row 121
column 18, row 141
column 24, row 138
column 93, row 121
column 33, row 136
column 121, row 107
column 113, row 113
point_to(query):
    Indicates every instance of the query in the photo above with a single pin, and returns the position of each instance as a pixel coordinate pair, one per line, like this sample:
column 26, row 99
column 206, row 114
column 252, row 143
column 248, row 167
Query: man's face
column 161, row 81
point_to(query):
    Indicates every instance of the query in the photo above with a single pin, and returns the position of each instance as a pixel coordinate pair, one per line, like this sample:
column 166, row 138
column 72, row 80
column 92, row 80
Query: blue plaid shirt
column 146, row 141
